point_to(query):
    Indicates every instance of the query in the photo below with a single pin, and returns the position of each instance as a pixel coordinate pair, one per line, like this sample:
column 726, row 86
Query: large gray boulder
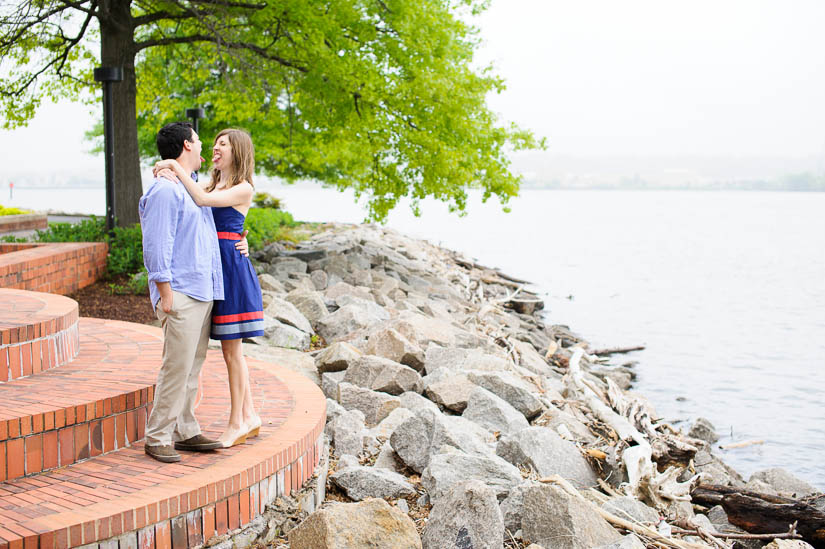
column 784, row 483
column 517, row 392
column 703, row 429
column 374, row 405
column 451, row 391
column 270, row 284
column 426, row 330
column 347, row 432
column 390, row 423
column 388, row 459
column 337, row 357
column 512, row 507
column 369, row 482
column 286, row 313
column 329, row 384
column 445, row 470
column 341, row 289
column 428, row 434
column 369, row 305
column 319, row 279
column 415, row 402
column 467, row 516
column 553, row 518
column 382, row 374
column 629, row 508
column 530, row 358
column 346, row 320
column 493, row 413
column 372, row 523
column 278, row 334
column 310, row 304
column 545, row 452
column 453, row 358
column 391, row 344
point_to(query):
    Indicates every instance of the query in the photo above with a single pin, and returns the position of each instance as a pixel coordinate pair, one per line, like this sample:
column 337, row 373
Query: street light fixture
column 108, row 75
column 195, row 114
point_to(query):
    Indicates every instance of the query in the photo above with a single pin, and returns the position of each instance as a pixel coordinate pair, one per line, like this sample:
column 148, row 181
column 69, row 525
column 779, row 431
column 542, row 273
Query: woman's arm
column 239, row 195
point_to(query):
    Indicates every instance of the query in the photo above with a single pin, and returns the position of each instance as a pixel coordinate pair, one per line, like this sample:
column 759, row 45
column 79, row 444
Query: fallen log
column 618, row 350
column 764, row 513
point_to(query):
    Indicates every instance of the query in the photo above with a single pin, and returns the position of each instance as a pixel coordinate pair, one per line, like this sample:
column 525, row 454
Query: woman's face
column 222, row 153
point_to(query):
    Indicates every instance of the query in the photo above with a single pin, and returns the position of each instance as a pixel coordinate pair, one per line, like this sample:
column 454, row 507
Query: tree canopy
column 380, row 96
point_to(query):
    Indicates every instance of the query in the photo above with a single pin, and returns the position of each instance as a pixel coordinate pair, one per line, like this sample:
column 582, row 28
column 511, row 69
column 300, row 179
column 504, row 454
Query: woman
column 240, row 314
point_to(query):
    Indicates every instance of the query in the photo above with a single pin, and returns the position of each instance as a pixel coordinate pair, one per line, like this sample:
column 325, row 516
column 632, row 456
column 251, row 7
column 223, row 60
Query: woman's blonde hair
column 243, row 159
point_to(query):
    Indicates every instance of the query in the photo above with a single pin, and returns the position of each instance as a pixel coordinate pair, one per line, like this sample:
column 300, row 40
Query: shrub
column 88, row 230
column 266, row 200
column 265, row 225
column 12, row 211
column 125, row 243
column 125, row 250
column 13, row 239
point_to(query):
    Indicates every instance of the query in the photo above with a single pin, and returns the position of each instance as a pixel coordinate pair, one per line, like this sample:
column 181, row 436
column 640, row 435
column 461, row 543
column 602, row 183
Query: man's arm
column 159, row 224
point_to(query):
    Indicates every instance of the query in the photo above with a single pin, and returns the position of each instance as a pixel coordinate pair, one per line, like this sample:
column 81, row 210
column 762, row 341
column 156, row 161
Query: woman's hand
column 165, row 168
column 166, row 173
column 242, row 245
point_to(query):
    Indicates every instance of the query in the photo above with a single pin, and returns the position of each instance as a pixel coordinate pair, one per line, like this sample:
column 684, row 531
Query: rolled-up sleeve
column 159, row 223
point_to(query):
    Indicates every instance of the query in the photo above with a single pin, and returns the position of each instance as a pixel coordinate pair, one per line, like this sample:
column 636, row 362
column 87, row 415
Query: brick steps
column 94, row 405
column 119, row 497
column 37, row 332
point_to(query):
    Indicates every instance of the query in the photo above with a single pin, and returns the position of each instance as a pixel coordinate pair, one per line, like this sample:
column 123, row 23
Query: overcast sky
column 607, row 78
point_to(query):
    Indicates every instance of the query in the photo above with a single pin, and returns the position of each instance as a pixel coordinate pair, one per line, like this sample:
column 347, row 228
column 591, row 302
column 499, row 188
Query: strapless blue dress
column 240, row 314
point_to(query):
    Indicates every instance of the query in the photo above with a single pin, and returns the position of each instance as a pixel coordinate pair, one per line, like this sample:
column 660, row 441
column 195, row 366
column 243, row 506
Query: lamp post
column 195, row 114
column 108, row 75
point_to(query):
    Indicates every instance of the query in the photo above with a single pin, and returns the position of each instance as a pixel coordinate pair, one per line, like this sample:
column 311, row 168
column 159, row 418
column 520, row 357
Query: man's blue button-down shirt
column 180, row 244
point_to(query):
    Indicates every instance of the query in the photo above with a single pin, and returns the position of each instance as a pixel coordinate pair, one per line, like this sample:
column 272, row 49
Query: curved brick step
column 124, row 498
column 94, row 405
column 37, row 332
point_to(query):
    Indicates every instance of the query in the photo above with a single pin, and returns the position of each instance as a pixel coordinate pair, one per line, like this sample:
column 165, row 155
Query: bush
column 13, row 239
column 14, row 211
column 265, row 225
column 125, row 250
column 266, row 200
column 88, row 230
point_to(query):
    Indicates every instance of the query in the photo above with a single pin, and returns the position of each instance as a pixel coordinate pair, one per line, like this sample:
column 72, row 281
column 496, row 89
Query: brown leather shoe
column 198, row 443
column 162, row 452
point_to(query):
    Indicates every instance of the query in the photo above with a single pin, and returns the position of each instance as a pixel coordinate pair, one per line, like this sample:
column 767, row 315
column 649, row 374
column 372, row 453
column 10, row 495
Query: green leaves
column 378, row 96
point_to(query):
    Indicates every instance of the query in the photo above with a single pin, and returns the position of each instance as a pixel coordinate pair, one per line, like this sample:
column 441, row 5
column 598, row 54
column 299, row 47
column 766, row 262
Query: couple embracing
column 201, row 284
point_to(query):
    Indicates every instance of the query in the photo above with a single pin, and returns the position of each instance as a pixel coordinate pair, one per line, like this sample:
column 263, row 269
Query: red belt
column 228, row 236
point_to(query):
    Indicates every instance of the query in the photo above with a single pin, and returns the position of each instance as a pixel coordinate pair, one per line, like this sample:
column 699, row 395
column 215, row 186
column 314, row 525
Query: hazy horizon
column 728, row 91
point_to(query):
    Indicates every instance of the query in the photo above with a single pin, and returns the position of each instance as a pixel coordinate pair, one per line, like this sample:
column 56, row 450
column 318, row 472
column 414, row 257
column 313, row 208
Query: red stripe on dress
column 228, row 236
column 254, row 315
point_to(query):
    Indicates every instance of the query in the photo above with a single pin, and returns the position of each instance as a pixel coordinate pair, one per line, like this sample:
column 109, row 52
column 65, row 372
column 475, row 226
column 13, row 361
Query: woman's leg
column 238, row 387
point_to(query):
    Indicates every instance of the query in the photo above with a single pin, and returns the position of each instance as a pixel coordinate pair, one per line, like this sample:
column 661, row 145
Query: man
column 180, row 252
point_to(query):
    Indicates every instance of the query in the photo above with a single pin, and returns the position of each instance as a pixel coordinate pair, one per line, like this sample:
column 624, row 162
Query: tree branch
column 217, row 40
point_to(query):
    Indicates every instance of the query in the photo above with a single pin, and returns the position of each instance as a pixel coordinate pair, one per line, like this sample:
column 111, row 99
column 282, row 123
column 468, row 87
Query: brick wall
column 23, row 222
column 57, row 268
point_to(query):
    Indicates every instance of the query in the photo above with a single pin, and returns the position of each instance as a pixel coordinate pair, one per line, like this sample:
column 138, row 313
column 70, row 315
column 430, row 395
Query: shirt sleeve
column 159, row 225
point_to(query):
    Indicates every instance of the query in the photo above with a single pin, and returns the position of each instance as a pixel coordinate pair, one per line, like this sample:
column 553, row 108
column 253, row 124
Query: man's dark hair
column 171, row 137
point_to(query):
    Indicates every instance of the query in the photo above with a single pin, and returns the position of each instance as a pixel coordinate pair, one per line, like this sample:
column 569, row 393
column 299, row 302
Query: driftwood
column 618, row 350
column 764, row 513
column 656, row 539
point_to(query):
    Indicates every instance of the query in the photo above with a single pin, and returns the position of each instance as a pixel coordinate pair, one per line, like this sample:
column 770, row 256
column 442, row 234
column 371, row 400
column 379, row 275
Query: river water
column 725, row 289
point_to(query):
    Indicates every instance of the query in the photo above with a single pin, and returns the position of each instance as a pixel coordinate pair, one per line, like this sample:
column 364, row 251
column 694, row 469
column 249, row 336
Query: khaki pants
column 185, row 338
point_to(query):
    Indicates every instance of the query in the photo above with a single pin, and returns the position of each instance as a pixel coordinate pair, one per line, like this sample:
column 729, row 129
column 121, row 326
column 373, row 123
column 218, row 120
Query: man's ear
column 187, row 145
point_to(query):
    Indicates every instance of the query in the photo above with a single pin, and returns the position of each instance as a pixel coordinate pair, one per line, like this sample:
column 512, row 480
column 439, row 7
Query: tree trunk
column 117, row 48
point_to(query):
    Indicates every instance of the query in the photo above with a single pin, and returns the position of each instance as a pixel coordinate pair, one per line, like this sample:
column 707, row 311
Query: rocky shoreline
column 458, row 418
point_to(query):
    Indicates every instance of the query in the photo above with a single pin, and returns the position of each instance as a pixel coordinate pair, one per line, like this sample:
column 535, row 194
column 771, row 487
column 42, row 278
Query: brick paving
column 74, row 471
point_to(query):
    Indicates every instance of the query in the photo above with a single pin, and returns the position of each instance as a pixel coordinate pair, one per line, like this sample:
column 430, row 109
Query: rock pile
column 451, row 399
